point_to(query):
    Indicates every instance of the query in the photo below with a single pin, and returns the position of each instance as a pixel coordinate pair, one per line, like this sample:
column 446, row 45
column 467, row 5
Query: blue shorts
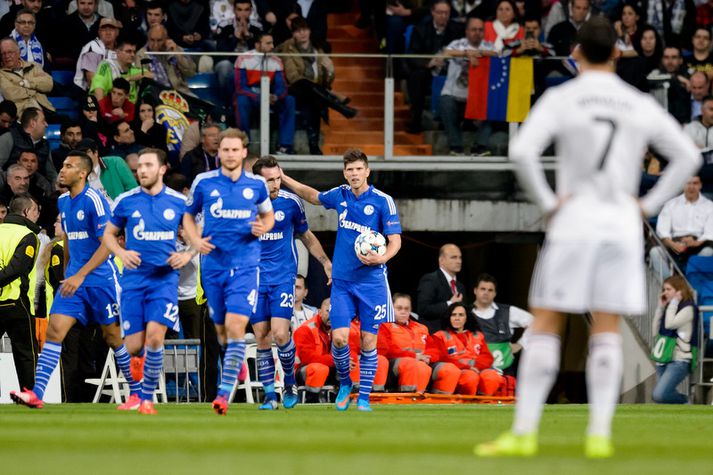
column 371, row 301
column 274, row 301
column 156, row 302
column 231, row 291
column 89, row 305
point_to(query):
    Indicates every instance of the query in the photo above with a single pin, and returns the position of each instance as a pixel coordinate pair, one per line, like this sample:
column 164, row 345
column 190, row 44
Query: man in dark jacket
column 28, row 136
column 204, row 157
column 438, row 289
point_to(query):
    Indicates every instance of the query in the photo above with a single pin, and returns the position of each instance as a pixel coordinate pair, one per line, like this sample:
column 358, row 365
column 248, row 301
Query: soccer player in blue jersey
column 150, row 215
column 236, row 210
column 278, row 270
column 90, row 292
column 359, row 284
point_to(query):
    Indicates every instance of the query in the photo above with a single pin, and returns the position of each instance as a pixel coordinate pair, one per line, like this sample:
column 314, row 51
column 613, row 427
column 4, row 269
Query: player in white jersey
column 592, row 260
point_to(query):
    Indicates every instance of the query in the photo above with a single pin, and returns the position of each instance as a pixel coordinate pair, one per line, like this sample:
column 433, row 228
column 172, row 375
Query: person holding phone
column 531, row 44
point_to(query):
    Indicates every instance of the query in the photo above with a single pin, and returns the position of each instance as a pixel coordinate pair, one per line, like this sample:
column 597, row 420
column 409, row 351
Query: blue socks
column 152, row 372
column 341, row 362
column 367, row 370
column 49, row 358
column 266, row 372
column 287, row 360
column 123, row 360
column 232, row 362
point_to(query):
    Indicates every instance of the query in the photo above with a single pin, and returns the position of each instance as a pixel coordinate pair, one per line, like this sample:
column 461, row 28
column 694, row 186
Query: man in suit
column 438, row 289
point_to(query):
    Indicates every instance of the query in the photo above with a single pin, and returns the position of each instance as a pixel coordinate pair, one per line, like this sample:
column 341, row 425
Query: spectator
column 315, row 14
column 497, row 322
column 301, row 312
column 154, row 15
column 685, row 227
column 700, row 87
column 130, row 14
column 504, row 32
column 462, row 54
column 39, row 187
column 168, row 71
column 439, row 289
column 90, row 120
column 704, row 14
column 100, row 49
column 429, row 37
column 700, row 58
column 116, row 106
column 7, row 22
column 649, row 48
column 627, row 27
column 29, row 136
column 399, row 14
column 111, row 175
column 122, row 67
column 124, row 140
column 17, row 182
column 25, row 84
column 31, row 50
column 104, row 8
column 531, row 44
column 3, row 212
column 462, row 344
column 70, row 134
column 673, row 21
column 310, row 75
column 679, row 98
column 8, row 116
column 676, row 328
column 699, row 129
column 563, row 35
column 187, row 23
column 192, row 136
column 132, row 161
column 313, row 342
column 80, row 28
column 147, row 131
column 403, row 343
column 247, row 91
column 553, row 13
column 204, row 157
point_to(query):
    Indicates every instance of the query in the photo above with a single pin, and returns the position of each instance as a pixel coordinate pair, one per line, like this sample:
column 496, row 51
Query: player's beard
column 149, row 182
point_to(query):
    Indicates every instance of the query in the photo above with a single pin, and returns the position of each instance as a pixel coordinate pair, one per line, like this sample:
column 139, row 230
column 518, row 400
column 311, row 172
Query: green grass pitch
column 86, row 438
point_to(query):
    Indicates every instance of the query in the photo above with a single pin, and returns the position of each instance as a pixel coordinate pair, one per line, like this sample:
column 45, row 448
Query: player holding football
column 359, row 283
column 593, row 257
column 90, row 291
column 278, row 269
column 151, row 215
column 236, row 210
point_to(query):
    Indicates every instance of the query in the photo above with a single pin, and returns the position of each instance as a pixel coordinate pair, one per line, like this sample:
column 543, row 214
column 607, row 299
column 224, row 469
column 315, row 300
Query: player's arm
column 193, row 235
column 305, row 192
column 130, row 259
column 72, row 283
column 393, row 245
column 315, row 248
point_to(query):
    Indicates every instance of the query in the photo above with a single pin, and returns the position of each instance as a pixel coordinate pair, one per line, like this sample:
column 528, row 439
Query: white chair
column 110, row 383
column 250, row 386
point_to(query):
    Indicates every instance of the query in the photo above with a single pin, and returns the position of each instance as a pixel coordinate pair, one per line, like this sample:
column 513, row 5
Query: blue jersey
column 373, row 210
column 278, row 259
column 84, row 218
column 228, row 207
column 151, row 224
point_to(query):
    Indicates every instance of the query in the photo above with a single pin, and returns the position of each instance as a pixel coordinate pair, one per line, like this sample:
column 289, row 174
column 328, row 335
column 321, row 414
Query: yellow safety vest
column 53, row 261
column 10, row 237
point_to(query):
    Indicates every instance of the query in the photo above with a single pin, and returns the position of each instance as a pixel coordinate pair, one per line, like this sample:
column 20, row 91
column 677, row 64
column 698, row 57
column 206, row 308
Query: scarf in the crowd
column 30, row 51
column 504, row 33
column 654, row 15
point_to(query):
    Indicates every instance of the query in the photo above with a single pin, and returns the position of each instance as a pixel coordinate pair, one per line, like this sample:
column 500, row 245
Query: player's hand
column 203, row 245
column 258, row 227
column 372, row 259
column 328, row 270
column 179, row 259
column 70, row 285
column 130, row 259
column 515, row 347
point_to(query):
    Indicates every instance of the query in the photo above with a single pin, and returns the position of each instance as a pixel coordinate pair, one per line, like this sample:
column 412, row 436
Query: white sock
column 537, row 373
column 605, row 365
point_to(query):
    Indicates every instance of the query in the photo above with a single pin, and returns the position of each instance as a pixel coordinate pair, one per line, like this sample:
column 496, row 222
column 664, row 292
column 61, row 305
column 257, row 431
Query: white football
column 370, row 241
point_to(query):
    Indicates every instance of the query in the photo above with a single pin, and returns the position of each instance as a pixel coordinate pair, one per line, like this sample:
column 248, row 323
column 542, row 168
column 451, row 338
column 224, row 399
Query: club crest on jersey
column 126, row 325
column 80, row 215
column 368, row 210
column 248, row 193
column 169, row 214
column 279, row 216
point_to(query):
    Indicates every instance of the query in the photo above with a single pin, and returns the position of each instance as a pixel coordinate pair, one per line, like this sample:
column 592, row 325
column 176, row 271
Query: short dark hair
column 354, row 155
column 485, row 277
column 87, row 144
column 597, row 38
column 268, row 161
column 299, row 23
column 153, row 5
column 8, row 107
column 243, row 1
column 28, row 115
column 300, row 276
column 121, row 83
column 470, row 323
column 399, row 295
column 85, row 160
column 702, row 28
column 126, row 39
column 24, row 11
column 160, row 155
column 68, row 124
column 176, row 182
column 114, row 128
column 706, row 99
column 20, row 203
column 436, row 2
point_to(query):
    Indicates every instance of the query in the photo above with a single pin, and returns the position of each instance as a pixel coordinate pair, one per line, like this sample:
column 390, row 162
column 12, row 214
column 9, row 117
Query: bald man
column 700, row 87
column 438, row 289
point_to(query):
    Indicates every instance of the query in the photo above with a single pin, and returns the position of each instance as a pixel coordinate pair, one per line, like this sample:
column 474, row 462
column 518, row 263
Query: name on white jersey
column 271, row 236
column 77, row 235
column 217, row 211
column 140, row 234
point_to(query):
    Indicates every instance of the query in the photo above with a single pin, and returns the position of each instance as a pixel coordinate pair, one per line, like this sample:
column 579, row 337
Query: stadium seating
column 52, row 134
column 205, row 86
column 65, row 78
column 65, row 106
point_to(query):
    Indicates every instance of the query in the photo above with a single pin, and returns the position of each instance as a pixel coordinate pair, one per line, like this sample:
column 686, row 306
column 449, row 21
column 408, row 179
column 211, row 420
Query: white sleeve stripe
column 293, row 197
column 97, row 202
column 389, row 201
column 265, row 206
